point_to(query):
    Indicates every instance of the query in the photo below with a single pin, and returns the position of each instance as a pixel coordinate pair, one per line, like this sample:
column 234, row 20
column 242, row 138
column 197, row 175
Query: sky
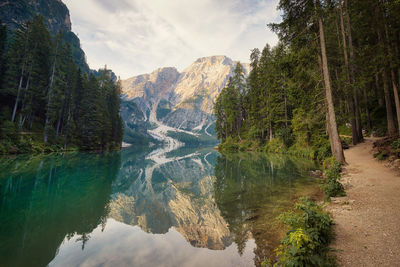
column 138, row 36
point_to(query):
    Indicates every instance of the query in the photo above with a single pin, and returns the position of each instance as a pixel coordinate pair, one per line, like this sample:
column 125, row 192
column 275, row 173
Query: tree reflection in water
column 45, row 199
column 53, row 206
column 251, row 190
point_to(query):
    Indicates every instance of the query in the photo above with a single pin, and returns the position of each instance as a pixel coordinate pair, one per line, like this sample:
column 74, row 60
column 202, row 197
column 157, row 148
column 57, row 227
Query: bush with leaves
column 396, row 144
column 230, row 145
column 332, row 187
column 306, row 243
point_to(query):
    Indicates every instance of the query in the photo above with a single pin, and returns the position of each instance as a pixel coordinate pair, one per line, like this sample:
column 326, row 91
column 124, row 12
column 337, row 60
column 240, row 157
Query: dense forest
column 332, row 78
column 47, row 102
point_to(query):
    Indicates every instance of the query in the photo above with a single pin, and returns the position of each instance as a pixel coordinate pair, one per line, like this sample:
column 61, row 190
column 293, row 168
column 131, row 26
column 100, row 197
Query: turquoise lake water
column 143, row 207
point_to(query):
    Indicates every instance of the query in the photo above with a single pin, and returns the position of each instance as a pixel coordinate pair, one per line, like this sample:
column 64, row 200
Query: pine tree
column 43, row 91
column 4, row 95
column 3, row 46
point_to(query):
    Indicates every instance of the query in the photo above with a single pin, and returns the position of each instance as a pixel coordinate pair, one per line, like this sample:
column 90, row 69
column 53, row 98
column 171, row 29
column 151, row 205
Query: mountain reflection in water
column 193, row 207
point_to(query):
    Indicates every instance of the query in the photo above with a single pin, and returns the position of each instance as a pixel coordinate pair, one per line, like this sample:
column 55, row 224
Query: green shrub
column 328, row 162
column 381, row 155
column 307, row 241
column 379, row 132
column 229, row 145
column 332, row 187
column 323, row 151
column 246, row 145
column 347, row 140
column 276, row 146
column 344, row 130
column 286, row 136
column 396, row 144
column 302, row 151
column 8, row 131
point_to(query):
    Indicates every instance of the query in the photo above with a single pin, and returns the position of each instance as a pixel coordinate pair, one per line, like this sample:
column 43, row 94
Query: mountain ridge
column 182, row 100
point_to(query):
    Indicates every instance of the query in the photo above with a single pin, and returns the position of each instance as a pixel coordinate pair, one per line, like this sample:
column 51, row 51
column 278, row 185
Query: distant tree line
column 336, row 65
column 45, row 98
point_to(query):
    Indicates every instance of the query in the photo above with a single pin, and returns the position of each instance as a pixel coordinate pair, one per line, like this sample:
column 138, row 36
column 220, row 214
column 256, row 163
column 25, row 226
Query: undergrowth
column 307, row 241
column 332, row 187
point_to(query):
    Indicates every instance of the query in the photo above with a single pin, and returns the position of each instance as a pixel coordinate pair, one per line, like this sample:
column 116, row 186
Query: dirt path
column 368, row 219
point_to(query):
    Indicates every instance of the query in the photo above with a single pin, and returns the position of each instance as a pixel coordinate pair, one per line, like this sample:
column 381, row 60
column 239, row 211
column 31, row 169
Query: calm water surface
column 145, row 208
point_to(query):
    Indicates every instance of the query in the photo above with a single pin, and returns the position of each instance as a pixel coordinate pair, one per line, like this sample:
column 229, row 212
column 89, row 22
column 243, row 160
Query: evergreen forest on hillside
column 335, row 71
column 47, row 102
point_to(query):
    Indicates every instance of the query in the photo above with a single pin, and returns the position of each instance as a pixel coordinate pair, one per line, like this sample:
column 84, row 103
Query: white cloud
column 138, row 36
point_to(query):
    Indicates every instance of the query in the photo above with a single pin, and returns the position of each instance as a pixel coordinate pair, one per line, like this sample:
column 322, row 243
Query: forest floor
column 368, row 218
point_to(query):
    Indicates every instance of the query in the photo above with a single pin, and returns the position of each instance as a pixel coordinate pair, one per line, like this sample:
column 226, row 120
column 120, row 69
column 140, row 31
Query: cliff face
column 182, row 100
column 201, row 82
column 134, row 124
column 56, row 16
column 146, row 90
column 54, row 12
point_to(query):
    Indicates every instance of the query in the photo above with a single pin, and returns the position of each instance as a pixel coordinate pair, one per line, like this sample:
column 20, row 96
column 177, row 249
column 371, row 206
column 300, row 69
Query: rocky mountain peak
column 185, row 100
column 145, row 85
column 213, row 59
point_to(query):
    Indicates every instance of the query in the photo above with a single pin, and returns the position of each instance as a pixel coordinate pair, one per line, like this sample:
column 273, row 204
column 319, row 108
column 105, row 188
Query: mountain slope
column 147, row 89
column 183, row 101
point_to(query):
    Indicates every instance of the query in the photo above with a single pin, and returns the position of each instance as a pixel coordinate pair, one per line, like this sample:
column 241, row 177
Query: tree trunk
column 353, row 73
column 59, row 120
column 328, row 127
column 393, row 74
column 377, row 93
column 18, row 93
column 21, row 121
column 350, row 98
column 47, row 123
column 271, row 134
column 389, row 110
column 66, row 139
column 31, row 118
column 388, row 102
column 354, row 134
column 262, row 132
column 22, row 76
column 333, row 132
column 239, row 126
column 367, row 108
column 286, row 111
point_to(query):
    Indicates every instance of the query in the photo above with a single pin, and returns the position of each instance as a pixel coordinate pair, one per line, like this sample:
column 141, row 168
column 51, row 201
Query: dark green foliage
column 273, row 113
column 134, row 125
column 3, row 46
column 306, row 243
column 285, row 97
column 396, row 144
column 47, row 104
column 381, row 155
column 229, row 145
column 56, row 18
column 332, row 187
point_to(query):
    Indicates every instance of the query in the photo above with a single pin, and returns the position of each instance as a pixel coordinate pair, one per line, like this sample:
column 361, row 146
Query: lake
column 146, row 207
